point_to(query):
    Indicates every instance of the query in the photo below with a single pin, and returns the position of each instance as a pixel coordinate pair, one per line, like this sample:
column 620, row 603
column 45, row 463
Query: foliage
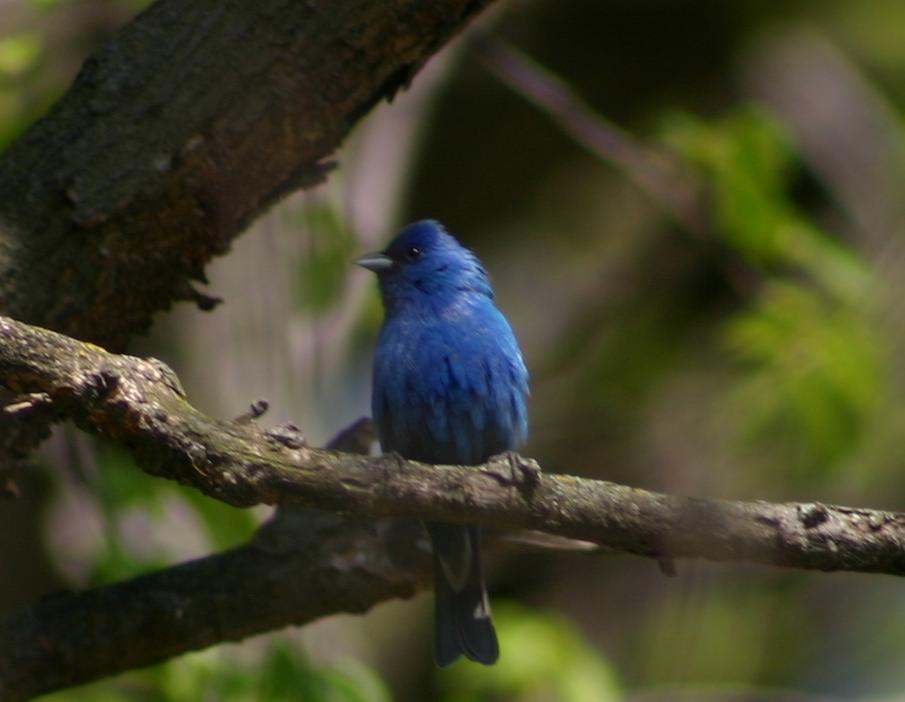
column 545, row 658
column 282, row 675
column 325, row 268
column 812, row 370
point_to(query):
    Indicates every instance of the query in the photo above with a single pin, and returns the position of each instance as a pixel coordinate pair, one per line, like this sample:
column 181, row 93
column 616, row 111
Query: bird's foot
column 512, row 470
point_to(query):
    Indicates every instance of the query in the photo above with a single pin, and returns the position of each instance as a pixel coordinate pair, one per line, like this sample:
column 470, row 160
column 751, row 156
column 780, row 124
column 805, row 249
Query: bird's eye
column 413, row 253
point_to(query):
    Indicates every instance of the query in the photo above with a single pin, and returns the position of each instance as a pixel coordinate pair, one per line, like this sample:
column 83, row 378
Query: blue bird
column 449, row 387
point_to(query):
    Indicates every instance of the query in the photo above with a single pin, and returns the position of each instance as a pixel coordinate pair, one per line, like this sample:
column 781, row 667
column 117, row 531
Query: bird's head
column 425, row 264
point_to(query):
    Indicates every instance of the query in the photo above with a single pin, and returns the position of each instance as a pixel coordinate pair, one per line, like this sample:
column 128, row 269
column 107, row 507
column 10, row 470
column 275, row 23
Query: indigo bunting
column 449, row 387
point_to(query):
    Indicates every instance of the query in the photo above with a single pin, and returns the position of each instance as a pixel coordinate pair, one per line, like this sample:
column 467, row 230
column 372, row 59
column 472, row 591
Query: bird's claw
column 514, row 471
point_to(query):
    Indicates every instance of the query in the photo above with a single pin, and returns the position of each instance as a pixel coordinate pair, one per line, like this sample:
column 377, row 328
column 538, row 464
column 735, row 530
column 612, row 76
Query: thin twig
column 656, row 172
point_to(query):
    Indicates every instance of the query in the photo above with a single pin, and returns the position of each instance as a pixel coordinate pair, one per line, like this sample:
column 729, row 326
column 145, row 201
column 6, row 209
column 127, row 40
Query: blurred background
column 693, row 215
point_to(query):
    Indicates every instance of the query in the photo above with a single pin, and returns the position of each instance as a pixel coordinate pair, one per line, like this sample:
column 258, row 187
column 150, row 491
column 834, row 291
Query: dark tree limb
column 74, row 638
column 186, row 125
column 302, row 565
column 191, row 121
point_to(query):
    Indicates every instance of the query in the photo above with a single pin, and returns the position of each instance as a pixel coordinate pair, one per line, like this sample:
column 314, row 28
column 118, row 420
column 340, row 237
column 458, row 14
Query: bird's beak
column 376, row 262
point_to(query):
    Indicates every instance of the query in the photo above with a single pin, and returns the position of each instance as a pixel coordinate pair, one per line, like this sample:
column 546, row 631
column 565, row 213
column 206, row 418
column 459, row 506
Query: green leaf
column 19, row 52
column 324, row 271
column 740, row 636
column 813, row 374
column 283, row 674
column 811, row 367
column 226, row 526
column 745, row 158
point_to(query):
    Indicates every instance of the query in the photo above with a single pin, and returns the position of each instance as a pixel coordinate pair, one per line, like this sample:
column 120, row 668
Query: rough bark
column 303, row 564
column 186, row 125
column 74, row 638
column 292, row 574
column 139, row 404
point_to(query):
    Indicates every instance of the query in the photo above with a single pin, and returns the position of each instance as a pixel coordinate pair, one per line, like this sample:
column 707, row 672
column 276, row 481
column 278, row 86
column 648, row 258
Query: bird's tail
column 462, row 623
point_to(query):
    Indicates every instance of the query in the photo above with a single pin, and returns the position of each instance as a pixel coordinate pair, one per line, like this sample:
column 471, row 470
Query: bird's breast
column 451, row 391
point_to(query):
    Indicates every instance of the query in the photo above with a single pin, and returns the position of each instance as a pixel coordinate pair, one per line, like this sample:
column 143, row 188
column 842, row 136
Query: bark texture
column 307, row 564
column 74, row 638
column 186, row 125
column 190, row 122
column 303, row 564
column 140, row 404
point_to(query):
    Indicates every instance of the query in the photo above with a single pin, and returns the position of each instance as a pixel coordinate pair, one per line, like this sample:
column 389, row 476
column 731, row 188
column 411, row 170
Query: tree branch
column 297, row 568
column 74, row 638
column 140, row 404
column 191, row 121
column 657, row 172
column 290, row 575
column 186, row 125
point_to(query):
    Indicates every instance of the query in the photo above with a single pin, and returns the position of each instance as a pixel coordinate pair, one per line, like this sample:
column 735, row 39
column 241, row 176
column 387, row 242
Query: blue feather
column 449, row 387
